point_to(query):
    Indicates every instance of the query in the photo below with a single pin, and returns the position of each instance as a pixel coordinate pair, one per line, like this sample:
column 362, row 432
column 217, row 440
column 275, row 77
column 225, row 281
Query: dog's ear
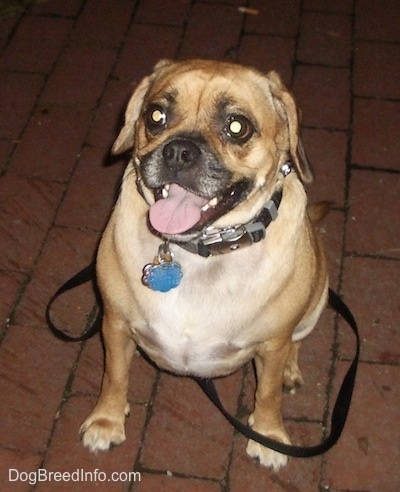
column 125, row 138
column 286, row 107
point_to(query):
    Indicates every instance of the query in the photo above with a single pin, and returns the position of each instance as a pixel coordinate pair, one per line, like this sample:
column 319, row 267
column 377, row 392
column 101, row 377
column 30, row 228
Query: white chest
column 211, row 323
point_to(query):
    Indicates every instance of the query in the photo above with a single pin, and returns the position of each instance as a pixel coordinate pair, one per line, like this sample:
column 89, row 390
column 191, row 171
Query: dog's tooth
column 165, row 192
column 167, row 186
column 213, row 202
column 205, row 207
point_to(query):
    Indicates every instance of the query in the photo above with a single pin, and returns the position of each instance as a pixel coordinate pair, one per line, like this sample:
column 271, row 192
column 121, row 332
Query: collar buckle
column 223, row 241
column 231, row 239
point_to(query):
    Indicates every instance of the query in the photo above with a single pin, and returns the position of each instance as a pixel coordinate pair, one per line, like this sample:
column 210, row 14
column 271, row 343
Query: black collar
column 214, row 242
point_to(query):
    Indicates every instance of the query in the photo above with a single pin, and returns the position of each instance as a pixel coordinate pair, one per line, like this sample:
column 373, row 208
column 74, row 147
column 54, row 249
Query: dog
column 210, row 258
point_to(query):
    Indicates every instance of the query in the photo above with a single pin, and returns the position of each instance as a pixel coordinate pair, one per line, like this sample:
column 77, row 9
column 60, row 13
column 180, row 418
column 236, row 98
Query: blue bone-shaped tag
column 162, row 277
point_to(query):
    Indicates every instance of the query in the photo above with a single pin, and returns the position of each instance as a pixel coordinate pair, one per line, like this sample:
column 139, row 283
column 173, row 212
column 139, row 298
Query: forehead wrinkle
column 168, row 95
column 225, row 103
column 202, row 84
column 204, row 95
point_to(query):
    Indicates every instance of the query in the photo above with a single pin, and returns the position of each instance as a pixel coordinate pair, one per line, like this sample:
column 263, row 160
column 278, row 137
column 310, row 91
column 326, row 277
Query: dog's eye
column 238, row 128
column 156, row 118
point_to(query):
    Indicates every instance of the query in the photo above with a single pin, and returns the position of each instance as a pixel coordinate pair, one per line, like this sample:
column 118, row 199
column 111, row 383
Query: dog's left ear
column 125, row 138
column 286, row 107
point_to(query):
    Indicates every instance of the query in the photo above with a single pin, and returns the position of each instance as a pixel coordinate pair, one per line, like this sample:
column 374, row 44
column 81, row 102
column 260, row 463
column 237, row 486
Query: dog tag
column 164, row 273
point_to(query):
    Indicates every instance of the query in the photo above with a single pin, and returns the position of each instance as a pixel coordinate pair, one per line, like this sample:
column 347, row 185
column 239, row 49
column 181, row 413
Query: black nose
column 180, row 153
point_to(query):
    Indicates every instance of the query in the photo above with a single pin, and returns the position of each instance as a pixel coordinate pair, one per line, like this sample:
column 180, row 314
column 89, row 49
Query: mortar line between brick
column 64, row 399
column 335, row 344
column 225, row 482
column 30, row 272
column 46, row 77
column 184, row 28
column 67, row 183
column 137, row 466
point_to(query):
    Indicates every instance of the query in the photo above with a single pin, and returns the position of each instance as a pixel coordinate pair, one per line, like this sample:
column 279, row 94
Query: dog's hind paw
column 266, row 457
column 292, row 380
column 100, row 434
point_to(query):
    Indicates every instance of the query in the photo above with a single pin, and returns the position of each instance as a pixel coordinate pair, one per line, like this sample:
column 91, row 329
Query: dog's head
column 209, row 140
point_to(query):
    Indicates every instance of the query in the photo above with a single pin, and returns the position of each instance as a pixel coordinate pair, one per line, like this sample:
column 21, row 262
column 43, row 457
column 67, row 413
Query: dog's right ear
column 125, row 138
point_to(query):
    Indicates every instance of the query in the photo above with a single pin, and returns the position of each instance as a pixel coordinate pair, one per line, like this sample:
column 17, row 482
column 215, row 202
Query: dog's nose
column 180, row 153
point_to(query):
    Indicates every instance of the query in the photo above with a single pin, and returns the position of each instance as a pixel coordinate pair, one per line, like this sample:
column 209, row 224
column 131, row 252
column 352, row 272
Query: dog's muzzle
column 192, row 188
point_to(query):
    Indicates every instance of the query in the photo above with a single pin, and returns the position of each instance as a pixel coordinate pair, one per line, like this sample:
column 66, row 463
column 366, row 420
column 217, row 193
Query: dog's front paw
column 100, row 431
column 267, row 457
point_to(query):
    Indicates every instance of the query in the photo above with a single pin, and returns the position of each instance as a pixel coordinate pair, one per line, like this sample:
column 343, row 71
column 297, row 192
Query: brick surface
column 193, row 416
column 154, row 483
column 368, row 189
column 319, row 91
column 92, row 191
column 71, row 9
column 26, row 213
column 375, row 280
column 51, row 143
column 66, row 251
column 103, row 22
column 377, row 21
column 374, row 143
column 279, row 18
column 376, row 70
column 331, row 231
column 10, row 285
column 67, row 70
column 68, row 454
column 149, row 12
column 375, row 405
column 342, row 6
column 144, row 46
column 205, row 40
column 268, row 53
column 33, row 374
column 80, row 76
column 7, row 25
column 19, row 92
column 20, row 56
column 325, row 39
column 326, row 152
column 109, row 116
column 12, row 463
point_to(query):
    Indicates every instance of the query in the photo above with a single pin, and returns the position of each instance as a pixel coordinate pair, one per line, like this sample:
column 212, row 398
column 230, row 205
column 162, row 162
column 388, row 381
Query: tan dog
column 217, row 165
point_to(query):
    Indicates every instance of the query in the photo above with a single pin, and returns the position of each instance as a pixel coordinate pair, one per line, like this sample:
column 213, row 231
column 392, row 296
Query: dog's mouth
column 178, row 210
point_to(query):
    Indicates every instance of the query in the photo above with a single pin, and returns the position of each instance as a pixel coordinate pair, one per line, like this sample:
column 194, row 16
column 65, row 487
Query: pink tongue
column 177, row 213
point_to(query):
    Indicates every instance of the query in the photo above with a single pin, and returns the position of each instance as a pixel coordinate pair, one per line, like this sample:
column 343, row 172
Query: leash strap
column 339, row 413
column 341, row 407
column 87, row 274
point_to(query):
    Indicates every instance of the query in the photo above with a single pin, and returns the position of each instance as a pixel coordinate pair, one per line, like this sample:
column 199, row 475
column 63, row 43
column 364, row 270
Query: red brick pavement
column 66, row 72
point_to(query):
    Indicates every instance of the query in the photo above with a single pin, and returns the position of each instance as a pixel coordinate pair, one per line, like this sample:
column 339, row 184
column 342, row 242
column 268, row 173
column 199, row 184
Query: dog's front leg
column 267, row 417
column 105, row 426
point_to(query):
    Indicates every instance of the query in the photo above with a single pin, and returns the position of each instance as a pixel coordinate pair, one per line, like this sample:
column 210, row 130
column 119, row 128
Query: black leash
column 86, row 275
column 340, row 409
